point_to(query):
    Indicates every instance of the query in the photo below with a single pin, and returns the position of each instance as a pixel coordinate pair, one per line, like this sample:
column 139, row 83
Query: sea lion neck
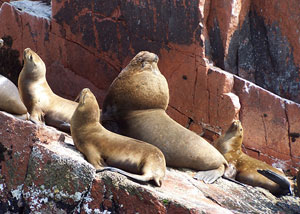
column 35, row 71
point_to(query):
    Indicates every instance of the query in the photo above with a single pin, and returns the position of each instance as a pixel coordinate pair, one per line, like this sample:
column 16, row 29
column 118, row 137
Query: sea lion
column 10, row 99
column 249, row 170
column 42, row 104
column 104, row 148
column 135, row 106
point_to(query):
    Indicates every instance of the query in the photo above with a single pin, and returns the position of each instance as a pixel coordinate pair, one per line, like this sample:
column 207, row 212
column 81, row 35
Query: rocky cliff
column 87, row 43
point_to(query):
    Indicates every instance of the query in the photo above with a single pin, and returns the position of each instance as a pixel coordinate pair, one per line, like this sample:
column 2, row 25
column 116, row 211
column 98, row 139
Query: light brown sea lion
column 10, row 99
column 104, row 148
column 42, row 104
column 249, row 170
column 135, row 106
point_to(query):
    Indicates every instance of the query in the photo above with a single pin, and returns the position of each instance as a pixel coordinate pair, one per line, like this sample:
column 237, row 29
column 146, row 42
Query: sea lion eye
column 30, row 57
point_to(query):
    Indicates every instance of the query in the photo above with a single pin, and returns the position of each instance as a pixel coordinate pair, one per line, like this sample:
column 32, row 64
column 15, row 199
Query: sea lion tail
column 279, row 179
column 140, row 178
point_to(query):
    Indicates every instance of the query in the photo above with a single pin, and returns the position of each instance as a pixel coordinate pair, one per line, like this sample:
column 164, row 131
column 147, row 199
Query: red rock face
column 87, row 43
column 255, row 40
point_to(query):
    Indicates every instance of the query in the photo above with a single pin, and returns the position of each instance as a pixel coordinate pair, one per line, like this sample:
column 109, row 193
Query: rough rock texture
column 257, row 40
column 87, row 43
column 41, row 171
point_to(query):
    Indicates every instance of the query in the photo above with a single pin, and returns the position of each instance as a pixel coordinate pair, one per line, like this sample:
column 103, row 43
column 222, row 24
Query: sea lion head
column 34, row 64
column 236, row 128
column 143, row 61
column 139, row 86
column 232, row 139
column 88, row 108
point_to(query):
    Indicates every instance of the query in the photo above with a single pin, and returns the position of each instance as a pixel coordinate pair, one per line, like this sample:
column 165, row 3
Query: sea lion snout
column 27, row 54
column 156, row 58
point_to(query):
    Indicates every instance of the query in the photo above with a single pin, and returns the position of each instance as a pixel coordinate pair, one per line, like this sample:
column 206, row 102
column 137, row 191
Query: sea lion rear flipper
column 22, row 116
column 210, row 176
column 59, row 124
column 279, row 179
column 138, row 178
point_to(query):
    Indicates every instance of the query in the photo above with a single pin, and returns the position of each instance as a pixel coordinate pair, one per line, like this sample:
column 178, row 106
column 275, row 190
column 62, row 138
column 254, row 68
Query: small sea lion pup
column 42, row 104
column 10, row 99
column 135, row 106
column 104, row 148
column 249, row 170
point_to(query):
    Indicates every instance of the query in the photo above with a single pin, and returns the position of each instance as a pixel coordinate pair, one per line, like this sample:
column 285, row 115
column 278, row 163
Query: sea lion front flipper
column 279, row 179
column 210, row 176
column 37, row 116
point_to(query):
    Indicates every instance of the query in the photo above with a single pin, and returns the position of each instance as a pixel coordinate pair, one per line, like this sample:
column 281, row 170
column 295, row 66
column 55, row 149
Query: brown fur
column 104, row 148
column 10, row 99
column 135, row 106
column 229, row 144
column 42, row 104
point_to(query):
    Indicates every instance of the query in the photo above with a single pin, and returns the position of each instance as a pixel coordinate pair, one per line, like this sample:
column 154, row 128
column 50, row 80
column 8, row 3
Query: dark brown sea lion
column 42, row 104
column 249, row 170
column 135, row 106
column 104, row 148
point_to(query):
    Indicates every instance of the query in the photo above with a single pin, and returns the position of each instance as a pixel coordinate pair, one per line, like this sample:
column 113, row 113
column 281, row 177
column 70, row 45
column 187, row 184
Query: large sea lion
column 10, row 99
column 135, row 106
column 104, row 148
column 249, row 170
column 42, row 104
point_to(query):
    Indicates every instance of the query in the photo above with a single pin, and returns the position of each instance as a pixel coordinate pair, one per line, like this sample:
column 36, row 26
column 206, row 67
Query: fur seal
column 10, row 99
column 249, row 170
column 42, row 104
column 135, row 106
column 104, row 148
